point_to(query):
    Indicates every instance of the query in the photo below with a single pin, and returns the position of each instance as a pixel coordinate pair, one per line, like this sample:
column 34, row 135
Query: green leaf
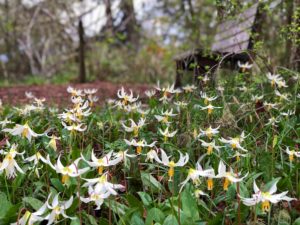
column 116, row 207
column 136, row 220
column 91, row 219
column 154, row 215
column 149, row 181
column 57, row 184
column 216, row 220
column 102, row 221
column 146, row 198
column 5, row 205
column 297, row 221
column 33, row 202
column 17, row 182
column 170, row 220
column 134, row 203
column 75, row 221
column 10, row 215
column 189, row 205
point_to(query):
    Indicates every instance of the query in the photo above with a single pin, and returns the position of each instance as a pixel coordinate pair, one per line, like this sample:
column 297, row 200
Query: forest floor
column 58, row 95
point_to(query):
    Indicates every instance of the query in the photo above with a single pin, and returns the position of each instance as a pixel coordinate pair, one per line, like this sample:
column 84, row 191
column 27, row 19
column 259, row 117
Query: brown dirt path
column 58, row 95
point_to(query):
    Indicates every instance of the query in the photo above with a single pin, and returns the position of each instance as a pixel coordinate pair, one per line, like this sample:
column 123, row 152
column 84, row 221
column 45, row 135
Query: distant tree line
column 42, row 37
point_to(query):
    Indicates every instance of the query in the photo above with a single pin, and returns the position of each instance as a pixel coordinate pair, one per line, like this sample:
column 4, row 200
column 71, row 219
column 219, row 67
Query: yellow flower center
column 100, row 170
column 125, row 100
column 66, row 170
column 209, row 150
column 139, row 149
column 265, row 206
column 206, row 101
column 65, row 178
column 209, row 111
column 27, row 215
column 100, row 161
column 209, row 133
column 291, row 157
column 171, row 172
column 94, row 197
column 9, row 157
column 210, row 184
column 25, row 131
column 57, row 212
column 102, row 179
column 273, row 83
column 191, row 171
column 196, row 182
column 234, row 143
column 226, row 184
column 165, row 138
column 165, row 119
column 171, row 169
column 57, row 209
column 52, row 143
column 135, row 131
column 38, row 155
column 79, row 115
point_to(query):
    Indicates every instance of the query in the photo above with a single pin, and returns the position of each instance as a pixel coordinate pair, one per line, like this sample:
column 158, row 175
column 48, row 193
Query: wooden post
column 178, row 75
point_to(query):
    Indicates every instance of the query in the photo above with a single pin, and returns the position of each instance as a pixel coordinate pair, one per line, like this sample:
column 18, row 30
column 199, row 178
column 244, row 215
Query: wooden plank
column 237, row 48
column 244, row 26
column 238, row 19
column 231, row 41
column 232, row 35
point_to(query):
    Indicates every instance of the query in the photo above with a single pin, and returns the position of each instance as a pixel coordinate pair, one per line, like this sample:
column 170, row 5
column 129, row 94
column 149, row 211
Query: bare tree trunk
column 221, row 10
column 295, row 59
column 82, row 74
column 289, row 43
column 191, row 9
column 109, row 17
column 129, row 21
column 6, row 35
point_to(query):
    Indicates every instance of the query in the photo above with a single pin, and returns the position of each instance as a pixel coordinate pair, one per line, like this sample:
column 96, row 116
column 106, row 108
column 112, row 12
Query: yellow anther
column 100, row 170
column 209, row 150
column 65, row 178
column 210, row 184
column 226, row 184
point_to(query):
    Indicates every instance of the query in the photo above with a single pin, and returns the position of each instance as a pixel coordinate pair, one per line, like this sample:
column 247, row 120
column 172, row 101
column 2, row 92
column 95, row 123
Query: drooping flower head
column 266, row 197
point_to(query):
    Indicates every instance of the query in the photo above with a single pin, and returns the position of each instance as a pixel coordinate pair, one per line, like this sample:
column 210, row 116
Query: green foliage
column 147, row 190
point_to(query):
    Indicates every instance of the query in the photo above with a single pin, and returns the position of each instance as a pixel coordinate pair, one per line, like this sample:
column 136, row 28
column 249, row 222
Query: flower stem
column 269, row 215
column 179, row 199
column 8, row 195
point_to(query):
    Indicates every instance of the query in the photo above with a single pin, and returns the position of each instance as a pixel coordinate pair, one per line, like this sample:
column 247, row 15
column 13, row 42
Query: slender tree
column 296, row 36
column 129, row 23
column 82, row 70
column 109, row 18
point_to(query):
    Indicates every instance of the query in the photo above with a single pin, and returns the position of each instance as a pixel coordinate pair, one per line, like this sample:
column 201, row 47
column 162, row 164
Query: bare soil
column 57, row 95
